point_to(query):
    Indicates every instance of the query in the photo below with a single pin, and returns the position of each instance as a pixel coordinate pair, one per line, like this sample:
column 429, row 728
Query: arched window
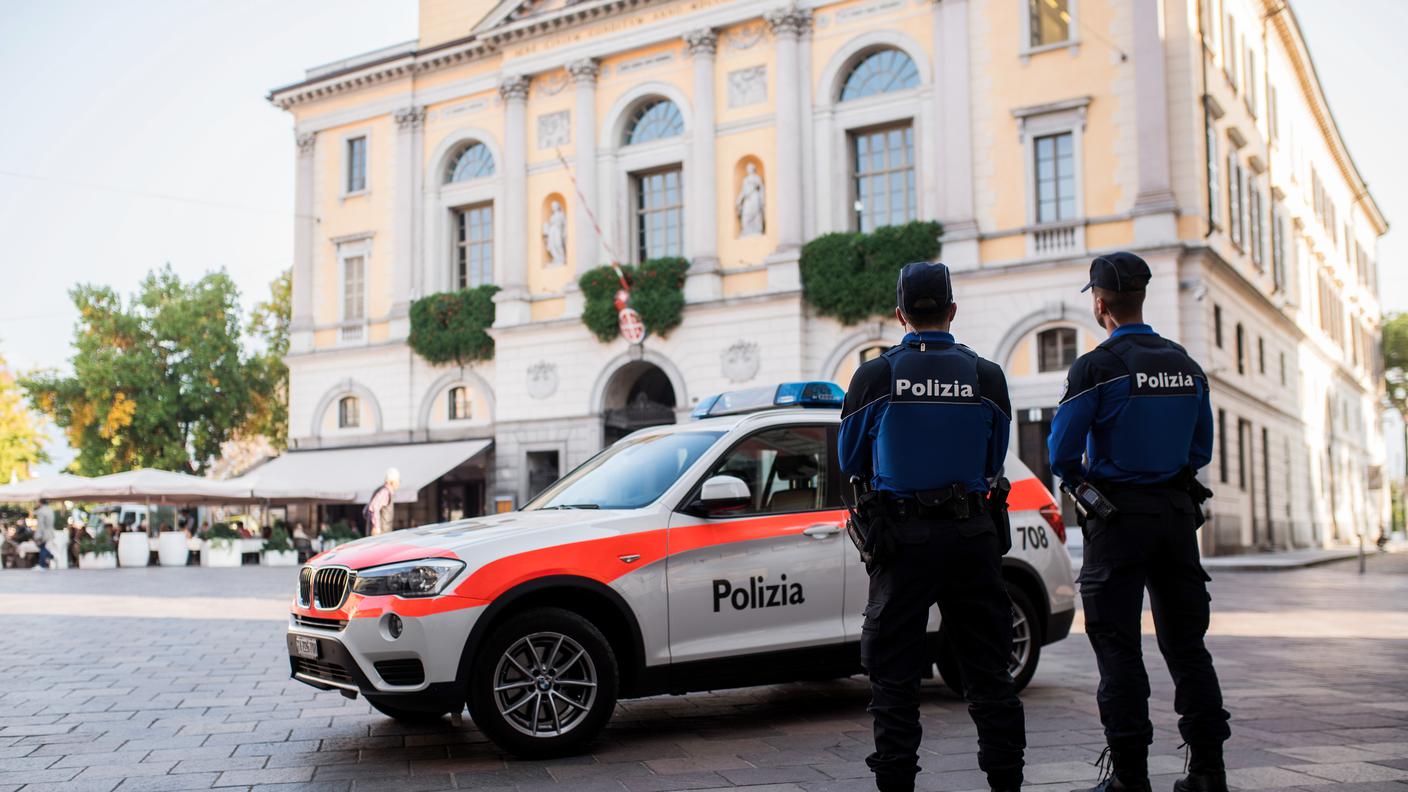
column 460, row 407
column 472, row 162
column 349, row 412
column 880, row 72
column 654, row 120
column 1056, row 349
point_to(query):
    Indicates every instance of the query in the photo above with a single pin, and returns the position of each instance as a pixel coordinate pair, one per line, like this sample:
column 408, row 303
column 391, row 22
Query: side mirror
column 721, row 493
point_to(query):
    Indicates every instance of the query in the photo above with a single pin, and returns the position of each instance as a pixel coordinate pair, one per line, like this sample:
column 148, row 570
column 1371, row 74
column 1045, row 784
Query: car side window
column 786, row 470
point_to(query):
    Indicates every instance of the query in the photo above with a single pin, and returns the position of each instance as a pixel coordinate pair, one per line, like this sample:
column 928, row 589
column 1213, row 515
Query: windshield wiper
column 573, row 506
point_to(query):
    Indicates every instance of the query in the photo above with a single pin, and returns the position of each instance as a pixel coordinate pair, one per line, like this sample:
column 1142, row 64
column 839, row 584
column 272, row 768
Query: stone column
column 304, row 223
column 1154, row 204
column 410, row 136
column 785, row 190
column 513, row 307
column 704, row 281
column 954, row 125
column 586, row 245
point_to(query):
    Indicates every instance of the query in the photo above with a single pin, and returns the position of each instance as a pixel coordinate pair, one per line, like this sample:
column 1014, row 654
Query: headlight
column 424, row 578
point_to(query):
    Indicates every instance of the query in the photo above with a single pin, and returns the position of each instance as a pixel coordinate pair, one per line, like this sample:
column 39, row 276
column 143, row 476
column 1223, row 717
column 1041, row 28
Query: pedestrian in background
column 926, row 426
column 1138, row 407
column 44, row 533
column 380, row 511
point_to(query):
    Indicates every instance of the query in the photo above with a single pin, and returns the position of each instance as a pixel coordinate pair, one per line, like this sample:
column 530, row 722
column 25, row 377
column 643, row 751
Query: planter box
column 280, row 558
column 171, row 549
column 133, row 549
column 97, row 561
column 226, row 554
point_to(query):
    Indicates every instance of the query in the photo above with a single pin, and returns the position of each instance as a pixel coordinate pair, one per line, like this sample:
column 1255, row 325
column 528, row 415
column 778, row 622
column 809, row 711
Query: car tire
column 407, row 716
column 1026, row 646
column 555, row 707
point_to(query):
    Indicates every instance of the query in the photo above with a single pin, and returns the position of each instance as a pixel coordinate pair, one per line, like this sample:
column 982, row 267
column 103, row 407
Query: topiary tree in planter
column 657, row 294
column 851, row 276
column 452, row 327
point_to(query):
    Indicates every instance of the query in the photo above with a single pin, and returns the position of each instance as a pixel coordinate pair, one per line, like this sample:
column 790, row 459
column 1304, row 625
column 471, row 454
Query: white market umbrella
column 51, row 487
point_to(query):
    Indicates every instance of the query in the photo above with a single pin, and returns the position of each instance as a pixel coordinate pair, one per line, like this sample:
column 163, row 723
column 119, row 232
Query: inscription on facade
column 458, row 109
column 868, row 10
column 647, row 62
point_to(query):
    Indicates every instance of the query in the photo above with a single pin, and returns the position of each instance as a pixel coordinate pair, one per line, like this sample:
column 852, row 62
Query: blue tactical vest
column 1154, row 430
column 935, row 431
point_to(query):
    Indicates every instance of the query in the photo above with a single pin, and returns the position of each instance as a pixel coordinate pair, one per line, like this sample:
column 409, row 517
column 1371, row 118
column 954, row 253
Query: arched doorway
column 638, row 395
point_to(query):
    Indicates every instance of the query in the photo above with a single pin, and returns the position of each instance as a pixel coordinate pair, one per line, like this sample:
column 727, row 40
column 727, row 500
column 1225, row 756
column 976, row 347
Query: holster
column 867, row 527
column 997, row 510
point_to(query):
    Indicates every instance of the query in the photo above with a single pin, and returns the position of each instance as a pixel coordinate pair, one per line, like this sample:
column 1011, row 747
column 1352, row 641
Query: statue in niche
column 750, row 203
column 555, row 234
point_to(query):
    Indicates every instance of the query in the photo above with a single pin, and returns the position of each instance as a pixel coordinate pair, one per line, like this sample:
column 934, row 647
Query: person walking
column 44, row 533
column 380, row 510
column 1138, row 407
column 926, row 426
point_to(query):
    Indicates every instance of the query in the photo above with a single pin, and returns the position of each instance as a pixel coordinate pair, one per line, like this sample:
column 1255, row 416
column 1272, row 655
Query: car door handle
column 822, row 530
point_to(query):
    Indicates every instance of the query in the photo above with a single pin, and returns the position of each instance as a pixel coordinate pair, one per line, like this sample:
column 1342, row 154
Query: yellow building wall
column 732, row 153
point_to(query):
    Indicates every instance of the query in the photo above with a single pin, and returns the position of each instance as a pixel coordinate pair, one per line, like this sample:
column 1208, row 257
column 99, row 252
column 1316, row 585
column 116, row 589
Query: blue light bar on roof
column 788, row 394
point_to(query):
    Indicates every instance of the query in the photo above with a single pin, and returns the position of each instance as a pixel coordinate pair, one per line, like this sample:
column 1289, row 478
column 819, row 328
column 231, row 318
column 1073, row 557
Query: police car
column 696, row 556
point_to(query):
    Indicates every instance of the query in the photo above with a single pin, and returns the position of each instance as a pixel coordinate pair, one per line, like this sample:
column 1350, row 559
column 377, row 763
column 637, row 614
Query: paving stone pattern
column 96, row 703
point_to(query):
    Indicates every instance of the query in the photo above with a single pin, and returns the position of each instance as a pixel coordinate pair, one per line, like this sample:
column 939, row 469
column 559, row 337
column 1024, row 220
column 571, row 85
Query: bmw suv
column 695, row 556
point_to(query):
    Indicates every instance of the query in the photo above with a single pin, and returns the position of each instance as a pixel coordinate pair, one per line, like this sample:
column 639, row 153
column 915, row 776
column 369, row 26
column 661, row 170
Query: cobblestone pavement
column 166, row 679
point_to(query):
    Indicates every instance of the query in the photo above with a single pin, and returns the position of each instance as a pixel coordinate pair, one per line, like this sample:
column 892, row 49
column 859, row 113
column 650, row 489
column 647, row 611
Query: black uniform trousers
column 1151, row 541
column 956, row 564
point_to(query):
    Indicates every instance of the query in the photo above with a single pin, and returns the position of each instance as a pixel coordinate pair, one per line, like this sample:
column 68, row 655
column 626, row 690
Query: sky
column 136, row 134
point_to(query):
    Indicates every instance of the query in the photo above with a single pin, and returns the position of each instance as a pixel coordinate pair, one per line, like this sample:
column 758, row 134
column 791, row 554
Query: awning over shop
column 361, row 470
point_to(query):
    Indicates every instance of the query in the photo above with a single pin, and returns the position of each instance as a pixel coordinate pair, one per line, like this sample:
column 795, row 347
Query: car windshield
column 628, row 475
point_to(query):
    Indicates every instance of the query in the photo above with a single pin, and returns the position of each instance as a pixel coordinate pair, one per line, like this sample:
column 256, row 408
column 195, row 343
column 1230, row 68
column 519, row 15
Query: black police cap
column 1119, row 272
column 924, row 289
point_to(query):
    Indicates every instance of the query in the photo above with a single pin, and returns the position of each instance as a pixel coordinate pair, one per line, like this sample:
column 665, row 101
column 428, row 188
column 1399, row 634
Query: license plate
column 305, row 647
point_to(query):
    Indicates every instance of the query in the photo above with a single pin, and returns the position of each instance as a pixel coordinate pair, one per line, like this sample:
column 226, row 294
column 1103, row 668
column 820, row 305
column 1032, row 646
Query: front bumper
column 358, row 654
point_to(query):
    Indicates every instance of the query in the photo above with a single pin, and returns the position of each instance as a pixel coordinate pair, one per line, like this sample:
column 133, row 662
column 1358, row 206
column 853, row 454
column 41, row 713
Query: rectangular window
column 1283, row 369
column 356, row 164
column 1056, row 349
column 659, row 214
column 1217, row 325
column 1255, row 227
column 1278, row 249
column 1235, row 217
column 1273, row 114
column 474, row 246
column 1214, row 177
column 1244, row 442
column 1261, row 354
column 1222, row 446
column 1055, row 177
column 1050, row 22
column 1241, row 349
column 543, row 470
column 882, row 177
column 1251, row 81
column 1229, row 50
column 354, row 288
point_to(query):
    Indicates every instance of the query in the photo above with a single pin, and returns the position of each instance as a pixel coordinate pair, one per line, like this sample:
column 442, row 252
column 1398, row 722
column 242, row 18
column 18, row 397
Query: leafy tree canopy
column 21, row 438
column 268, row 323
column 1396, row 360
column 160, row 380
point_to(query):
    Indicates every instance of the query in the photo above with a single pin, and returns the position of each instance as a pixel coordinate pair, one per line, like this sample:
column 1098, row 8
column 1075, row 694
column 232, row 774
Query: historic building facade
column 525, row 143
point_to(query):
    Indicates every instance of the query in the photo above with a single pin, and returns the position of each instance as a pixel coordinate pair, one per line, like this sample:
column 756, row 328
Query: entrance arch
column 637, row 394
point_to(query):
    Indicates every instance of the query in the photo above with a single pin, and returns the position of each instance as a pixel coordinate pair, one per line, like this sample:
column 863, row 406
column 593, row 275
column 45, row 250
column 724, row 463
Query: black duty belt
column 950, row 503
column 1175, row 484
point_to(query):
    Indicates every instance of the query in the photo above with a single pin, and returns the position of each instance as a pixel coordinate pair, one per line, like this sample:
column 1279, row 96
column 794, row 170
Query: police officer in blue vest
column 926, row 425
column 1137, row 408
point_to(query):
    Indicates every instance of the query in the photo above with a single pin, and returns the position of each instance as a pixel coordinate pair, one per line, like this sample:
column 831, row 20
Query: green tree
column 158, row 382
column 269, row 323
column 21, row 441
column 1396, row 360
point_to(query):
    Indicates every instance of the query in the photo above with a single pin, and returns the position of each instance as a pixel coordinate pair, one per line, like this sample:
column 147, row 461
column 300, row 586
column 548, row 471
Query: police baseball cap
column 924, row 289
column 1119, row 272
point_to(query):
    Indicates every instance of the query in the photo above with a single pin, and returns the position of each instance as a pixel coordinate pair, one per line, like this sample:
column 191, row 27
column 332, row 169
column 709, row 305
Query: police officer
column 926, row 423
column 1137, row 406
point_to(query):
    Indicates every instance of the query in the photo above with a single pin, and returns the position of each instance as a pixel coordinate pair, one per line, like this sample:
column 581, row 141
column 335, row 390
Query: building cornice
column 1279, row 15
column 377, row 72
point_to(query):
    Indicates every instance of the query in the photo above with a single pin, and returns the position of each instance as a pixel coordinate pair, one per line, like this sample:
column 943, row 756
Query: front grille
column 322, row 624
column 305, row 586
column 328, row 672
column 330, row 586
column 401, row 672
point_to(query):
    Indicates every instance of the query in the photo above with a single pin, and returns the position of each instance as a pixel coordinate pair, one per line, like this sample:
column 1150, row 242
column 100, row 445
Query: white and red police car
column 696, row 556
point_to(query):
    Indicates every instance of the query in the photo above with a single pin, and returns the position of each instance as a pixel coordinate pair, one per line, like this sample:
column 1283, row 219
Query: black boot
column 1206, row 770
column 1124, row 769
